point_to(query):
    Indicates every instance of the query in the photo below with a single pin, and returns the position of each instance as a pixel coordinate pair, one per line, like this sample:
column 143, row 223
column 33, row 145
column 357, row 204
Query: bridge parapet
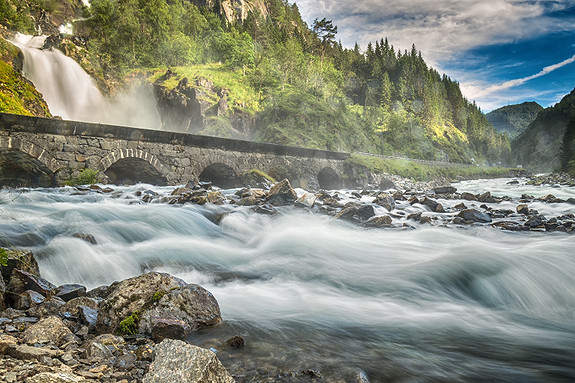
column 59, row 149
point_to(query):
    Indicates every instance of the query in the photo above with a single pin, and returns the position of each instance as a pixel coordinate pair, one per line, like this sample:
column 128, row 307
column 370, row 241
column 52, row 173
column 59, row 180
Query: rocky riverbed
column 132, row 330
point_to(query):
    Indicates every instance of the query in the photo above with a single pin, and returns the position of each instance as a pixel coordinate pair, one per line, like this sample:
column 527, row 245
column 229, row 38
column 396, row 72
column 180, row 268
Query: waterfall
column 72, row 94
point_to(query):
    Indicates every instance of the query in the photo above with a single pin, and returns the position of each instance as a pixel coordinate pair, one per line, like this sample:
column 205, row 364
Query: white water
column 73, row 95
column 432, row 304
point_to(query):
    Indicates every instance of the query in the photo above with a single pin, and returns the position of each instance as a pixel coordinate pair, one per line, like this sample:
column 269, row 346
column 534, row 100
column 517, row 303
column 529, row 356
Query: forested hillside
column 539, row 146
column 514, row 119
column 254, row 69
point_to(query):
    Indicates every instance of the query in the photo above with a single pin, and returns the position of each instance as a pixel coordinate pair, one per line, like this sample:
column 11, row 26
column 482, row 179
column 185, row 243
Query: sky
column 501, row 52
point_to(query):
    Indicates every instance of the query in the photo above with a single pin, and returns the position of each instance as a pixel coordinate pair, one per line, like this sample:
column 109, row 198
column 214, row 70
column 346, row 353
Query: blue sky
column 500, row 51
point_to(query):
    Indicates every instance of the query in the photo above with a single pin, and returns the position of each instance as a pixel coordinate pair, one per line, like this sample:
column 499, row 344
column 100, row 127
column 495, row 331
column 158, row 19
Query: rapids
column 309, row 293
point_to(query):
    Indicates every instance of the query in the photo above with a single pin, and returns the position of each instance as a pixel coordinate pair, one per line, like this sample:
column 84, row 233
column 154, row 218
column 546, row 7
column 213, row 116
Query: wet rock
column 399, row 196
column 266, row 209
column 103, row 346
column 74, row 304
column 380, row 221
column 236, row 342
column 306, row 201
column 51, row 306
column 88, row 316
column 444, row 190
column 28, row 299
column 216, row 198
column 191, row 304
column 86, row 238
column 415, row 216
column 70, row 291
column 474, row 215
column 468, row 196
column 510, row 225
column 523, row 209
column 21, row 281
column 21, row 260
column 281, row 194
column 535, row 221
column 50, row 330
column 386, row 184
column 133, row 295
column 386, row 201
column 176, row 361
column 486, row 197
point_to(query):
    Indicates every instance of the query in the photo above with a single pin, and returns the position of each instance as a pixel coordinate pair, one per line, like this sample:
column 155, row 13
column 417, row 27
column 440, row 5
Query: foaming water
column 72, row 94
column 306, row 291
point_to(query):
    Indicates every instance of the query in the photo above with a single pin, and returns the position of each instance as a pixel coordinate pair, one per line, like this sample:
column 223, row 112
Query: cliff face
column 235, row 10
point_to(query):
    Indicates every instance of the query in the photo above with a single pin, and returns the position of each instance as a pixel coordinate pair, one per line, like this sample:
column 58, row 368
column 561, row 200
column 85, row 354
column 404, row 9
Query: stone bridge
column 48, row 152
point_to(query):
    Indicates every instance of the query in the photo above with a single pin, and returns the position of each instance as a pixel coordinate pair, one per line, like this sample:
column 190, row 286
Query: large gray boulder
column 282, row 194
column 177, row 361
column 192, row 304
column 131, row 297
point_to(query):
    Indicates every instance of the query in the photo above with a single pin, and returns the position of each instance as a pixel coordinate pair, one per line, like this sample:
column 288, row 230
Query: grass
column 241, row 96
column 419, row 171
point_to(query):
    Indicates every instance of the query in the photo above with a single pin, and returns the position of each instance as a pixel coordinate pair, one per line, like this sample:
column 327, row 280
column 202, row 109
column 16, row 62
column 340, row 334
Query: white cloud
column 482, row 92
column 439, row 28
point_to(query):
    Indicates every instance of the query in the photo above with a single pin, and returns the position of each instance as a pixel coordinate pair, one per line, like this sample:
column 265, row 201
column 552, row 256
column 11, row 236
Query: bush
column 85, row 177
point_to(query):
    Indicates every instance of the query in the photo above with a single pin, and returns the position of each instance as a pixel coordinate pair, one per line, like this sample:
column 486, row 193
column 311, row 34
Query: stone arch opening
column 19, row 169
column 132, row 170
column 328, row 179
column 221, row 175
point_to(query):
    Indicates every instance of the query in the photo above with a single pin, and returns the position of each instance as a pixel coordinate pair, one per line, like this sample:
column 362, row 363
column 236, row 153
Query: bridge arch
column 26, row 163
column 221, row 175
column 328, row 179
column 130, row 166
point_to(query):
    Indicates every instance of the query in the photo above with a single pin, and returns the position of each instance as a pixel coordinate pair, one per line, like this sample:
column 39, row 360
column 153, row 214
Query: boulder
column 380, row 221
column 306, row 201
column 21, row 281
column 169, row 328
column 474, row 215
column 192, row 304
column 103, row 347
column 133, row 296
column 385, row 200
column 281, row 194
column 28, row 299
column 26, row 352
column 50, row 330
column 88, row 316
column 535, row 221
column 70, row 291
column 51, row 306
column 177, row 361
column 468, row 196
column 73, row 304
column 523, row 209
column 86, row 238
column 21, row 260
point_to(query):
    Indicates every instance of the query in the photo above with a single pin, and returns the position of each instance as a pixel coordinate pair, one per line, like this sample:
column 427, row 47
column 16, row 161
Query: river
column 313, row 294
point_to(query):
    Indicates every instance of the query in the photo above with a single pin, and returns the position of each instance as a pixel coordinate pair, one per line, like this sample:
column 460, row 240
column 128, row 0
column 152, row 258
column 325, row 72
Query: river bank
column 328, row 286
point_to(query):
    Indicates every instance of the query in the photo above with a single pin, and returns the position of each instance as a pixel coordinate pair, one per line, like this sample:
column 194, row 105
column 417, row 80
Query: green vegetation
column 567, row 153
column 129, row 325
column 17, row 95
column 539, row 147
column 420, row 171
column 3, row 257
column 158, row 295
column 300, row 86
column 514, row 119
column 85, row 177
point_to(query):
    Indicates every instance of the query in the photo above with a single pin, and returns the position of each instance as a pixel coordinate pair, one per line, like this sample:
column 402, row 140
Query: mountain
column 538, row 147
column 514, row 119
column 253, row 69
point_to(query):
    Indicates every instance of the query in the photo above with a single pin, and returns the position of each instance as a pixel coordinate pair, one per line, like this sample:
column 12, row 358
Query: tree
column 567, row 153
column 325, row 31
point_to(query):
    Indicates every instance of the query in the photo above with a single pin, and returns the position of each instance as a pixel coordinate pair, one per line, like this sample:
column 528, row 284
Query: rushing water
column 71, row 93
column 437, row 304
